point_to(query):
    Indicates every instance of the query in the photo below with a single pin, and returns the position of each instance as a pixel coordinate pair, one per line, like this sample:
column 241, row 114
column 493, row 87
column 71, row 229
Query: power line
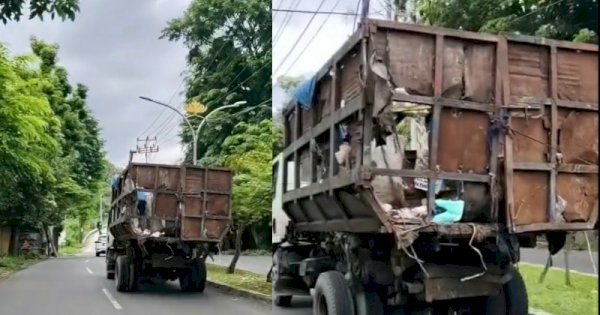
column 300, row 37
column 534, row 11
column 286, row 19
column 316, row 12
column 233, row 115
column 310, row 41
column 356, row 16
column 163, row 110
column 168, row 120
column 277, row 10
column 233, row 80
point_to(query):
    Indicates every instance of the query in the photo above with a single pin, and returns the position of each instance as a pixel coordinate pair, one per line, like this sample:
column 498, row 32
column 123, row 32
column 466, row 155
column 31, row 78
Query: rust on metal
column 190, row 203
column 540, row 95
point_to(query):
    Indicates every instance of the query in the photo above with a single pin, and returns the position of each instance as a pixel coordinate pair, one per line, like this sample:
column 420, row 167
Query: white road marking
column 89, row 270
column 87, row 261
column 112, row 300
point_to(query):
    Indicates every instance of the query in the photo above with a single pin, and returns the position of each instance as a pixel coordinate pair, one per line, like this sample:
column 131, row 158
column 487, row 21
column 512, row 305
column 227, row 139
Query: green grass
column 554, row 296
column 70, row 250
column 240, row 279
column 249, row 252
column 10, row 264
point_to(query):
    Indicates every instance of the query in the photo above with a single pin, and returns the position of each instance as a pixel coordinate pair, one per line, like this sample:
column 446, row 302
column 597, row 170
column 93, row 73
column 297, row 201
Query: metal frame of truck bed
column 569, row 85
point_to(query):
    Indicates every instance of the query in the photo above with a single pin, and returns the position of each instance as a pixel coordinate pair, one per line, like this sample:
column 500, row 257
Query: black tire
column 332, row 295
column 133, row 277
column 110, row 273
column 193, row 279
column 374, row 305
column 283, row 300
column 512, row 300
column 97, row 254
column 122, row 273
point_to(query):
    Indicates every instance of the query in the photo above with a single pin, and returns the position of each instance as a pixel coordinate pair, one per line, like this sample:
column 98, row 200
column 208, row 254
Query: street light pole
column 196, row 132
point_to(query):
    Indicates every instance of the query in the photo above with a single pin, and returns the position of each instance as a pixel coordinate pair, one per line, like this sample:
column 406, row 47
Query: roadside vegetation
column 53, row 169
column 230, row 62
column 10, row 264
column 556, row 297
column 240, row 280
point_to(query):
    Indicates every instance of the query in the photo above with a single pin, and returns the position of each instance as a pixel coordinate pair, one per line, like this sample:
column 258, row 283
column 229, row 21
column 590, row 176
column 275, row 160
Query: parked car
column 101, row 245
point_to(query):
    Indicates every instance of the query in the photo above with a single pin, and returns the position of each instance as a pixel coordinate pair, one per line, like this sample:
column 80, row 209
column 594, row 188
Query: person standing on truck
column 141, row 208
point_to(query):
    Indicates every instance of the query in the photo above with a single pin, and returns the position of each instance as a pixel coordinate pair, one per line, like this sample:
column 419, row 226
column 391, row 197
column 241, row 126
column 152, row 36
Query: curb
column 560, row 269
column 534, row 311
column 240, row 292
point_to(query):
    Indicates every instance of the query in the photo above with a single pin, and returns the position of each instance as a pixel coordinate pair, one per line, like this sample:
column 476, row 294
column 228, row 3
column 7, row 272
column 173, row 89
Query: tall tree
column 229, row 60
column 52, row 162
column 563, row 20
column 13, row 9
column 248, row 153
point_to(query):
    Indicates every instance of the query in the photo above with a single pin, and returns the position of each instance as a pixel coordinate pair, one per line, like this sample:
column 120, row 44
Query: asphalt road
column 578, row 260
column 257, row 264
column 73, row 286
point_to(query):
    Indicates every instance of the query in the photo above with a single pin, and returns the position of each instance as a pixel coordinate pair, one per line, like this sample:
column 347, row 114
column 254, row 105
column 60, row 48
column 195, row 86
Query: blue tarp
column 305, row 93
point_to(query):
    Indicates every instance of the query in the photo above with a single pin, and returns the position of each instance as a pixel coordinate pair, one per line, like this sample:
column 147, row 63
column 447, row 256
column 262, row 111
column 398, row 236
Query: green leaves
column 229, row 60
column 51, row 157
column 563, row 20
column 13, row 9
column 248, row 153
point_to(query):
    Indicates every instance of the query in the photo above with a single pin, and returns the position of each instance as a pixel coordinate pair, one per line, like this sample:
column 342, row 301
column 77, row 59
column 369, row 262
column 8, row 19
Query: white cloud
column 329, row 39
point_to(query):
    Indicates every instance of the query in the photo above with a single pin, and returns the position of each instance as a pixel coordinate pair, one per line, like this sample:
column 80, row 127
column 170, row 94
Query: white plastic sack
column 387, row 189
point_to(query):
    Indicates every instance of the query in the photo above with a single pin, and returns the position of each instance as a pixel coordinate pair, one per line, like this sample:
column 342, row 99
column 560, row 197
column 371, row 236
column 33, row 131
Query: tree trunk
column 238, row 248
column 256, row 236
column 51, row 246
column 13, row 248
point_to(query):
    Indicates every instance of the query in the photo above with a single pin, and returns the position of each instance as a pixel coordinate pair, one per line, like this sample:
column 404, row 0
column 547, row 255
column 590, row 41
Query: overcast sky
column 113, row 48
column 326, row 42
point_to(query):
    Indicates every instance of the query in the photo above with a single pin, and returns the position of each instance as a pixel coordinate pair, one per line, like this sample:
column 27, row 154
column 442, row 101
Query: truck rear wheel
column 283, row 300
column 110, row 265
column 332, row 295
column 193, row 279
column 133, row 276
column 122, row 277
column 513, row 299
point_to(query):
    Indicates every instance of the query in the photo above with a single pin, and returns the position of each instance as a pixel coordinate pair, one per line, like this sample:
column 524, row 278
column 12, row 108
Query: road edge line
column 112, row 299
column 240, row 292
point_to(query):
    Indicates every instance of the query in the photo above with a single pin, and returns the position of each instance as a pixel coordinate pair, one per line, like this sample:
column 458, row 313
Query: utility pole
column 365, row 11
column 148, row 147
column 131, row 153
column 389, row 9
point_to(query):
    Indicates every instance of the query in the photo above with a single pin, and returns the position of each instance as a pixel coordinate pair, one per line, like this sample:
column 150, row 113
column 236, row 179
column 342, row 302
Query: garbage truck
column 164, row 222
column 424, row 159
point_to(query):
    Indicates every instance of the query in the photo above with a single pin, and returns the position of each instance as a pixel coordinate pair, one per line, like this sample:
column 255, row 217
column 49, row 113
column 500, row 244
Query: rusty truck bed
column 187, row 203
column 518, row 114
